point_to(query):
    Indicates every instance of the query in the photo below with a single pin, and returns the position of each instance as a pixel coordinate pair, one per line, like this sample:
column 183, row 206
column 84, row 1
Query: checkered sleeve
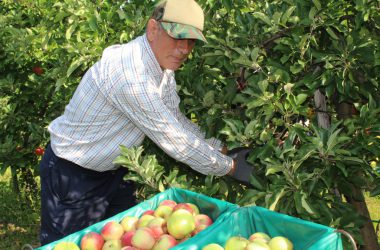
column 188, row 125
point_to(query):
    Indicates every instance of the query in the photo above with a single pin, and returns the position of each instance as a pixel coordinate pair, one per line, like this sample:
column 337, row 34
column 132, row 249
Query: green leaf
column 74, row 65
column 255, row 54
column 342, row 167
column 375, row 192
column 278, row 196
column 301, row 98
column 257, row 183
column 71, row 30
column 243, row 61
column 317, row 4
column 92, row 22
column 287, row 14
column 274, row 169
column 331, row 33
column 262, row 17
column 312, row 13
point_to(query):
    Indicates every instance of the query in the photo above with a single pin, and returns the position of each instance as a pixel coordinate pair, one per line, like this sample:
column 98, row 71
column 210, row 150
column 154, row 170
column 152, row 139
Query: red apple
column 280, row 243
column 112, row 245
column 149, row 212
column 163, row 211
column 236, row 243
column 38, row 70
column 144, row 220
column 158, row 226
column 128, row 248
column 259, row 236
column 165, row 242
column 143, row 239
column 92, row 241
column 194, row 207
column 169, row 203
column 112, row 231
column 63, row 245
column 129, row 223
column 39, row 151
column 181, row 223
column 185, row 206
column 202, row 221
column 126, row 238
column 213, row 246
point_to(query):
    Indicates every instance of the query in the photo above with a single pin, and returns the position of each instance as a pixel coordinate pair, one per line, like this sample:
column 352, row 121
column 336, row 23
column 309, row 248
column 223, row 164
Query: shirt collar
column 152, row 63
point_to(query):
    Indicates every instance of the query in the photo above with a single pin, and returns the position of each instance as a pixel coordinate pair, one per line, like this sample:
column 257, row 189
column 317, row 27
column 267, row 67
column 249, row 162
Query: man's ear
column 152, row 29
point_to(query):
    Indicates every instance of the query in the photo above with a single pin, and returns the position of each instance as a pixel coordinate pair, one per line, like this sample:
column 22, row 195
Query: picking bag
column 248, row 220
column 218, row 211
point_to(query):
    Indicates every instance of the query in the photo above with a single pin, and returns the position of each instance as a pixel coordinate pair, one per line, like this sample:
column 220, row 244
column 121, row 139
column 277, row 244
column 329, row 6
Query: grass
column 373, row 204
column 19, row 225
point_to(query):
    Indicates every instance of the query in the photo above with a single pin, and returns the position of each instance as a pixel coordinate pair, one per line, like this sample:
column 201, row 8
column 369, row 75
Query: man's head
column 173, row 29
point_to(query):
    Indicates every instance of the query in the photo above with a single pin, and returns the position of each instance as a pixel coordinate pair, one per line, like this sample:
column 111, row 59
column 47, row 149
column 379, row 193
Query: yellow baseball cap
column 181, row 19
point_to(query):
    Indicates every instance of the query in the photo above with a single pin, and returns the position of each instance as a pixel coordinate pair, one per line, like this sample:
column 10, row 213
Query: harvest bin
column 218, row 210
column 247, row 220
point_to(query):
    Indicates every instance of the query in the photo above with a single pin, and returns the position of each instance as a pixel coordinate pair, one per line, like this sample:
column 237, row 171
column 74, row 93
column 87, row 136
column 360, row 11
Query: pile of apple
column 257, row 241
column 166, row 226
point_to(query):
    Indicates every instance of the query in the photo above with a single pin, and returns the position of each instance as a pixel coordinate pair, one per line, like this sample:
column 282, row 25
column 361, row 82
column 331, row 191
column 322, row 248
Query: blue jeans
column 73, row 197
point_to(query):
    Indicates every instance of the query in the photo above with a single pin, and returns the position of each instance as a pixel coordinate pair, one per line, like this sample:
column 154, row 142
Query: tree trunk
column 321, row 108
column 367, row 231
column 15, row 184
column 344, row 111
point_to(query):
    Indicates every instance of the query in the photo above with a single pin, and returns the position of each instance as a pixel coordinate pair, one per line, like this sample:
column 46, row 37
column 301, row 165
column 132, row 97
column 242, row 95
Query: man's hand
column 241, row 170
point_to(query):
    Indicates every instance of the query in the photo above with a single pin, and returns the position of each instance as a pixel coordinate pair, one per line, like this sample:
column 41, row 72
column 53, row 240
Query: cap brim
column 183, row 31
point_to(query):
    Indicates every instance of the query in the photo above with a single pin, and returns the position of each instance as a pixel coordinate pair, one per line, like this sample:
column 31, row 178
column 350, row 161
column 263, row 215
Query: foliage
column 60, row 39
column 151, row 177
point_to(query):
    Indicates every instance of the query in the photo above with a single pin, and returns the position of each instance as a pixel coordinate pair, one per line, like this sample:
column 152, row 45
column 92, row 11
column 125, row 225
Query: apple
column 143, row 239
column 165, row 242
column 149, row 212
column 144, row 220
column 163, row 211
column 202, row 221
column 129, row 223
column 128, row 248
column 181, row 223
column 280, row 243
column 126, row 238
column 112, row 231
column 257, row 245
column 64, row 245
column 169, row 203
column 38, row 70
column 236, row 243
column 194, row 207
column 39, row 151
column 158, row 226
column 213, row 246
column 260, row 236
column 185, row 206
column 112, row 245
column 91, row 241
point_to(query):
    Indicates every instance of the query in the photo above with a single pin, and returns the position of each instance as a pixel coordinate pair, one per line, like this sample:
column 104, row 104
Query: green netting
column 229, row 220
column 218, row 210
column 247, row 220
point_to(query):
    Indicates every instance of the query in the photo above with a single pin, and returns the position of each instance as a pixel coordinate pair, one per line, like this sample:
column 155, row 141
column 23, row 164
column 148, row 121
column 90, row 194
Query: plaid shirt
column 123, row 98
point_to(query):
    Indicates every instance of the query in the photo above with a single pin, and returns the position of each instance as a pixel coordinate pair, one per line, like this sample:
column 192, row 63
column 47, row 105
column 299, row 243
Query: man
column 128, row 94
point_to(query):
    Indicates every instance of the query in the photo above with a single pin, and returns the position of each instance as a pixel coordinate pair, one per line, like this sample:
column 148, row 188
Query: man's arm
column 141, row 102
